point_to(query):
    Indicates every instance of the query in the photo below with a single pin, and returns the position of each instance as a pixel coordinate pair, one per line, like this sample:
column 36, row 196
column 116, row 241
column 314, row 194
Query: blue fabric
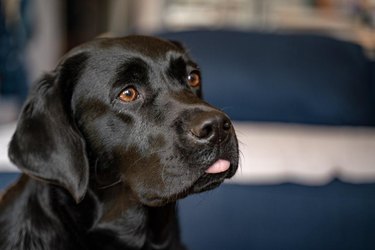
column 7, row 178
column 287, row 216
column 284, row 78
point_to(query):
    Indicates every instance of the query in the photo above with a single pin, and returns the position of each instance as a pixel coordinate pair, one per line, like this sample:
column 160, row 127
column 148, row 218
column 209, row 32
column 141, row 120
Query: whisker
column 226, row 108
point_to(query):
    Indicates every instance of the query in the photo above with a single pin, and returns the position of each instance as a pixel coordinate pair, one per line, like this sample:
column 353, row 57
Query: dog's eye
column 194, row 79
column 129, row 94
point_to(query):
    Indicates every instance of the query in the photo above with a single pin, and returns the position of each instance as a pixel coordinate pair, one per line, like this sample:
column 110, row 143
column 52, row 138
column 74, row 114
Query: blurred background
column 301, row 81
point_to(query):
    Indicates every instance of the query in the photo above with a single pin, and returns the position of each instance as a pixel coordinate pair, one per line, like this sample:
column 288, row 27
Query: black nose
column 212, row 127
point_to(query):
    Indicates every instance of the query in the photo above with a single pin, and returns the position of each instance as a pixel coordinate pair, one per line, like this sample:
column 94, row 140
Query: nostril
column 227, row 125
column 203, row 130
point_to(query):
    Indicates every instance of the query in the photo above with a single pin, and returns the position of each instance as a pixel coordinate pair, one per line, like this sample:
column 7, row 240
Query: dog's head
column 130, row 110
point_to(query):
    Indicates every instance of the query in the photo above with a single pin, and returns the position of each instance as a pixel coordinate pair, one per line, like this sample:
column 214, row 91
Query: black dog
column 107, row 143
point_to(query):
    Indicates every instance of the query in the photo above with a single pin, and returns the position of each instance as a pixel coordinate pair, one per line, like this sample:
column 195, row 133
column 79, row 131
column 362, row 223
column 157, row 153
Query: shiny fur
column 101, row 173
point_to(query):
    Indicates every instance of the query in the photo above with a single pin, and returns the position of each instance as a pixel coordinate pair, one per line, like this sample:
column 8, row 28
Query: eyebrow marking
column 134, row 70
column 177, row 69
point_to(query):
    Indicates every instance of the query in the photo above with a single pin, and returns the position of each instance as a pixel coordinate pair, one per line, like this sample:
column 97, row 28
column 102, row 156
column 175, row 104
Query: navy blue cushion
column 285, row 78
column 286, row 216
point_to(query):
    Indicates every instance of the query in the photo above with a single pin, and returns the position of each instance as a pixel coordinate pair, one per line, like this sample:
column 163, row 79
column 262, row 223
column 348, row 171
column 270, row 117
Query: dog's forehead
column 110, row 54
column 134, row 59
column 151, row 47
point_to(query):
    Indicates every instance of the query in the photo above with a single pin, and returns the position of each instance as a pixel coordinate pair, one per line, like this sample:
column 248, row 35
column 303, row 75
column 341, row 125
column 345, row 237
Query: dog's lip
column 218, row 166
column 210, row 178
column 208, row 181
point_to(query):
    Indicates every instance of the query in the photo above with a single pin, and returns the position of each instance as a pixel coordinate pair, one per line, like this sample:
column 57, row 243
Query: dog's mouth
column 213, row 176
column 209, row 178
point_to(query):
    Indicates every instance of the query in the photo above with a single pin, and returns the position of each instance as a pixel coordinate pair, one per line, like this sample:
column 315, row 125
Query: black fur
column 101, row 173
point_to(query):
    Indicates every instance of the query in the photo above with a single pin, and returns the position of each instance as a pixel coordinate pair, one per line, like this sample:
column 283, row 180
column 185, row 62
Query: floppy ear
column 47, row 144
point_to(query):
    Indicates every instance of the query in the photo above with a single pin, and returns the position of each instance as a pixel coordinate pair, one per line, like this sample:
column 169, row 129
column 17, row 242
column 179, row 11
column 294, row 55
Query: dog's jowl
column 107, row 143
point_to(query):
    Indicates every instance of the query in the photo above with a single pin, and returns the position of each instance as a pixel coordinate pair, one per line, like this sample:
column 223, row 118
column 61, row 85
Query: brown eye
column 129, row 94
column 194, row 79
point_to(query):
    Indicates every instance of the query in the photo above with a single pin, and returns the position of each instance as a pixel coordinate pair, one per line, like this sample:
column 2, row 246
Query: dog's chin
column 208, row 182
column 202, row 183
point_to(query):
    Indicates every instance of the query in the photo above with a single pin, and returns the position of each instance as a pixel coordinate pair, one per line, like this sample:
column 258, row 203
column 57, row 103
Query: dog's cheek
column 143, row 174
column 153, row 180
column 104, row 132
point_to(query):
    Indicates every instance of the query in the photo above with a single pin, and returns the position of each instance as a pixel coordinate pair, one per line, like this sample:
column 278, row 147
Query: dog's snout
column 210, row 127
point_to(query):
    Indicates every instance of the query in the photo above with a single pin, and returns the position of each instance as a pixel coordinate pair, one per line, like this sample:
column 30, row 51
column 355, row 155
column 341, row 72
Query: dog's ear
column 47, row 144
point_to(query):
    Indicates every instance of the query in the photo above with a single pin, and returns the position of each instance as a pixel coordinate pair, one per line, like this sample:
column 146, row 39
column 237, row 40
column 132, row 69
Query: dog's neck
column 140, row 226
column 117, row 223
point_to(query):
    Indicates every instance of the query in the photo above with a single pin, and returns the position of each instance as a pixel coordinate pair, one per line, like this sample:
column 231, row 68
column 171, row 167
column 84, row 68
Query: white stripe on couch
column 275, row 153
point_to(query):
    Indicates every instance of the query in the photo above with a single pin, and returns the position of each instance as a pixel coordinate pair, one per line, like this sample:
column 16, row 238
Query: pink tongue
column 218, row 167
